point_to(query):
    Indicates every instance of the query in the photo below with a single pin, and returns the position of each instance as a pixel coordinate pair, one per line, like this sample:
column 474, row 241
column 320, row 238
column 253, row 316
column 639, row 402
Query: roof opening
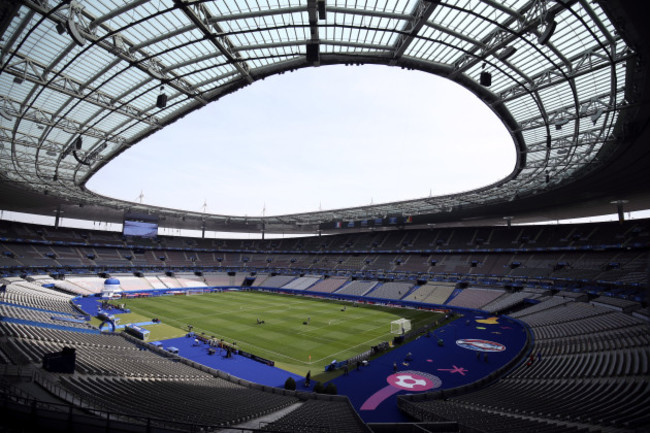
column 318, row 138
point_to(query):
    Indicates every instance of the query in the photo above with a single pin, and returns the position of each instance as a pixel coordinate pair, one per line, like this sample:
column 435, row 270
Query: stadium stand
column 432, row 293
column 621, row 265
column 127, row 282
column 507, row 301
column 260, row 280
column 590, row 336
column 155, row 282
column 29, row 295
column 302, row 283
column 357, row 288
column 582, row 373
column 16, row 312
column 328, row 285
column 277, row 280
column 189, row 280
column 239, row 278
column 313, row 415
column 622, row 305
column 391, row 290
column 475, row 297
column 217, row 279
column 169, row 281
column 208, row 400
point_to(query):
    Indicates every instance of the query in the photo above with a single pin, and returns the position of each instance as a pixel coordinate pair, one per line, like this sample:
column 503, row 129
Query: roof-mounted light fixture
column 485, row 78
column 313, row 52
column 322, row 10
column 161, row 102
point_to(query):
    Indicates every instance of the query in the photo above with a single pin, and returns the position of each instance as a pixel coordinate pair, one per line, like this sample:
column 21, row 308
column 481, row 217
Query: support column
column 57, row 217
column 619, row 210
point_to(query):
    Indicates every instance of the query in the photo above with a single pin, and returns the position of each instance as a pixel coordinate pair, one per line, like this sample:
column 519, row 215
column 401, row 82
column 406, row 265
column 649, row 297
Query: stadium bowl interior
column 80, row 83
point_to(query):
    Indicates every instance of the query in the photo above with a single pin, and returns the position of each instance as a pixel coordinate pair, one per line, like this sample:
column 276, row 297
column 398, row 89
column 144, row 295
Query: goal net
column 194, row 292
column 400, row 326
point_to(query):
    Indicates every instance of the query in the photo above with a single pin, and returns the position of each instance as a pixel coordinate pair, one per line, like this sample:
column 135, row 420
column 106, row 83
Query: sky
column 318, row 138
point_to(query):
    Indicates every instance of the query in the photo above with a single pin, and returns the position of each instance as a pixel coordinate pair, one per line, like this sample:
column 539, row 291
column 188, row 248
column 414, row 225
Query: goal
column 400, row 326
column 190, row 292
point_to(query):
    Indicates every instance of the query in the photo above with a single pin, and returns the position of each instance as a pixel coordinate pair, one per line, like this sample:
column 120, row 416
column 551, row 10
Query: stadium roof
column 81, row 81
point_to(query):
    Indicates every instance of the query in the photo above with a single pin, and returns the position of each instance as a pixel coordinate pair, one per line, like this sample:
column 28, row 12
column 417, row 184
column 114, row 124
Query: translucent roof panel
column 89, row 76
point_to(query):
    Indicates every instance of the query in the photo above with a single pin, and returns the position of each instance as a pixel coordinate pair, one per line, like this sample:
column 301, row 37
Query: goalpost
column 190, row 292
column 400, row 326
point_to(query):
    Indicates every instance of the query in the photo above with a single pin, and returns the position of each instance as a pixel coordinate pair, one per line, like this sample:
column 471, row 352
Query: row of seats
column 475, row 298
column 511, row 299
column 484, row 420
column 319, row 416
column 117, row 375
column 538, row 236
column 206, row 401
column 602, row 266
column 14, row 311
column 391, row 290
column 114, row 361
column 37, row 333
column 588, row 368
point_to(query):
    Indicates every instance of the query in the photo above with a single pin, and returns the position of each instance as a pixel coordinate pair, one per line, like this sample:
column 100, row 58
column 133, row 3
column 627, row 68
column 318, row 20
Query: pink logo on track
column 415, row 381
column 480, row 345
column 412, row 381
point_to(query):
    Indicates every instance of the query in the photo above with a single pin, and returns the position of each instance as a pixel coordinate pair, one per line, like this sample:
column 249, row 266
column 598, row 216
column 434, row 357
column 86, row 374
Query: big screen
column 142, row 226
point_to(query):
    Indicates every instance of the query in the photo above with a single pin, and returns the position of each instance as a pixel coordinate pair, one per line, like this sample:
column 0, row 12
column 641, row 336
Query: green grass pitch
column 331, row 333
